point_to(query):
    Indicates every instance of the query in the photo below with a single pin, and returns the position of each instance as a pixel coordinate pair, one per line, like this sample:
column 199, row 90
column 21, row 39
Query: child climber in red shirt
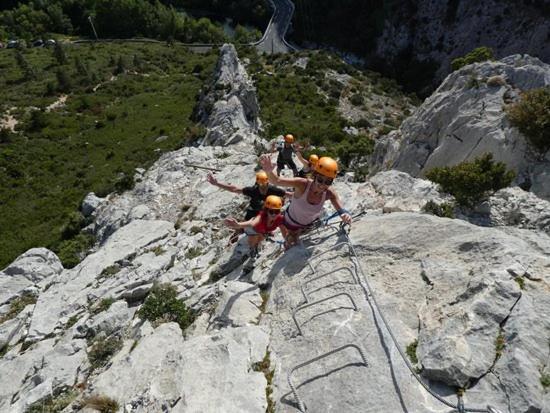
column 262, row 225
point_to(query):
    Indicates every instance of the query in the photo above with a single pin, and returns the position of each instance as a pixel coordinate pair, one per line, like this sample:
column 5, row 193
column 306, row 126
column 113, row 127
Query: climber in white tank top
column 309, row 196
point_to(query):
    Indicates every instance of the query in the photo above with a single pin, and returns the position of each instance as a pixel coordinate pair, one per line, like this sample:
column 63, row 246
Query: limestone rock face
column 465, row 118
column 35, row 265
column 207, row 373
column 230, row 109
column 513, row 207
column 450, row 285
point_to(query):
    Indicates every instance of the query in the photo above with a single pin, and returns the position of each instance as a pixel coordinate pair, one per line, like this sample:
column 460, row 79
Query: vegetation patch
column 480, row 54
column 102, row 350
column 53, row 404
column 108, row 127
column 17, row 305
column 110, row 271
column 443, row 210
column 545, row 380
column 163, row 306
column 264, row 366
column 103, row 305
column 531, row 115
column 472, row 182
column 71, row 321
column 193, row 252
column 500, row 344
column 521, row 282
column 411, row 351
column 102, row 404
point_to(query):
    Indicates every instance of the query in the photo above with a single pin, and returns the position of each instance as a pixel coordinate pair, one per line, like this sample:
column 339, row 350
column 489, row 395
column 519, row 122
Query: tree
column 471, row 182
column 59, row 53
column 531, row 115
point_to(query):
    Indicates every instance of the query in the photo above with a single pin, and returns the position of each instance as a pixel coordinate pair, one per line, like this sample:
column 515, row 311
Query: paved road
column 273, row 40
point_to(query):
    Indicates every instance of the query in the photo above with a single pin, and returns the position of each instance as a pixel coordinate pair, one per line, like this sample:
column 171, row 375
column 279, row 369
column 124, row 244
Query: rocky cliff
column 302, row 330
column 440, row 31
column 465, row 118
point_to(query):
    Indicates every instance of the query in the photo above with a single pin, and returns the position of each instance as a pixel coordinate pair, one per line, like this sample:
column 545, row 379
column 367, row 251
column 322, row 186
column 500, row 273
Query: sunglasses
column 273, row 211
column 323, row 181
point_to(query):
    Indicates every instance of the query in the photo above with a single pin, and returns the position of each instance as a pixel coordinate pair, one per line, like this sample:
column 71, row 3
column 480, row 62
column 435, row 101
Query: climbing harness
column 359, row 278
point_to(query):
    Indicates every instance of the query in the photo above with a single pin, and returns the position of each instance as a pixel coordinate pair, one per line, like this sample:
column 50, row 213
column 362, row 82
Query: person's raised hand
column 346, row 218
column 231, row 222
column 265, row 162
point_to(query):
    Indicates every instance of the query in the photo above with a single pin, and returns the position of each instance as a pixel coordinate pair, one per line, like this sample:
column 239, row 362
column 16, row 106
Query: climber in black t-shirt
column 257, row 194
column 286, row 149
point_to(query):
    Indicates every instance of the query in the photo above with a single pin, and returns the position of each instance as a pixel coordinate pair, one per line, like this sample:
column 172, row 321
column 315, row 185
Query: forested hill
column 29, row 19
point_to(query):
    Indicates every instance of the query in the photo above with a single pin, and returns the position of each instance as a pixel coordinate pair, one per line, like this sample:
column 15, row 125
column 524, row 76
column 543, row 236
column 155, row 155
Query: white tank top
column 301, row 212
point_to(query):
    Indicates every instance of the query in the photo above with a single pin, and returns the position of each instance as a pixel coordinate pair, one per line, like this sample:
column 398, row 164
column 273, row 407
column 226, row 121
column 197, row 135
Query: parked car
column 12, row 44
column 38, row 43
column 50, row 42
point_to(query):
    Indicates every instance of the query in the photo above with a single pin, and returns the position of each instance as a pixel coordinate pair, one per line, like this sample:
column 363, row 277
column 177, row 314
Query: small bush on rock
column 52, row 404
column 443, row 210
column 162, row 305
column 480, row 54
column 471, row 182
column 411, row 351
column 531, row 115
column 102, row 350
column 16, row 306
column 102, row 404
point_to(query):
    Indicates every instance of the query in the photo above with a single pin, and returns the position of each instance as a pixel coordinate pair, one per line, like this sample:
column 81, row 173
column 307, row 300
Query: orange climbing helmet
column 313, row 159
column 261, row 178
column 273, row 202
column 289, row 138
column 327, row 167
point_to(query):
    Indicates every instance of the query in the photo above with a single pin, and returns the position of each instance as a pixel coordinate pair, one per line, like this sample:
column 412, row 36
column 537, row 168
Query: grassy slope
column 81, row 147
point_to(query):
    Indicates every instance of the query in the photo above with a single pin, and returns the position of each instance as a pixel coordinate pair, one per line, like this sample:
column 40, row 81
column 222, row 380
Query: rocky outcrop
column 512, row 207
column 229, row 109
column 465, row 118
column 441, row 31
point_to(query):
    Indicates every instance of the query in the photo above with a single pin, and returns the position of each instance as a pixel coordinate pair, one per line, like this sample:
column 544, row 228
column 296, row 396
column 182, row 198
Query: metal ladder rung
column 325, row 252
column 301, row 404
column 303, row 307
column 303, row 285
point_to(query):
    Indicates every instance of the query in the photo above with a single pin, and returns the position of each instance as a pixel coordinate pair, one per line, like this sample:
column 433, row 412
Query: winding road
column 273, row 40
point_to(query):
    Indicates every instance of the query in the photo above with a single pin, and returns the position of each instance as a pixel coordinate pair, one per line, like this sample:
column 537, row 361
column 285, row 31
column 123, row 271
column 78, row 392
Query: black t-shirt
column 257, row 198
column 285, row 153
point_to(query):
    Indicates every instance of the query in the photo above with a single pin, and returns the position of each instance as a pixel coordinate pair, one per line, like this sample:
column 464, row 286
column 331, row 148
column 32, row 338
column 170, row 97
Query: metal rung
column 301, row 405
column 303, row 307
column 303, row 286
column 325, row 252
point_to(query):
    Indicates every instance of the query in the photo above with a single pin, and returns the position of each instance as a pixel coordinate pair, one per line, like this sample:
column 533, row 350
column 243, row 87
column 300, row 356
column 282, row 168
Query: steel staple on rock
column 362, row 281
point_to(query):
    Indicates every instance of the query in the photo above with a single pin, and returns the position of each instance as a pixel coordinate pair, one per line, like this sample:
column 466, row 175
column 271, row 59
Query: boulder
column 35, row 265
column 90, row 203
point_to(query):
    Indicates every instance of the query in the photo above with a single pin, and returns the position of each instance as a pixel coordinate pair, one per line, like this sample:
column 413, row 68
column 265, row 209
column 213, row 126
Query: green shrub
column 38, row 121
column 193, row 252
column 102, row 404
column 71, row 251
column 545, row 380
column 124, row 183
column 471, row 182
column 74, row 224
column 5, row 135
column 16, row 306
column 531, row 115
column 500, row 343
column 443, row 210
column 110, row 270
column 102, row 350
column 103, row 305
column 162, row 305
column 411, row 351
column 480, row 54
column 53, row 404
column 357, row 100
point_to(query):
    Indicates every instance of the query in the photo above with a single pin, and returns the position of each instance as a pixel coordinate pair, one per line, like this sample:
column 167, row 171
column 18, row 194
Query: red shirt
column 262, row 228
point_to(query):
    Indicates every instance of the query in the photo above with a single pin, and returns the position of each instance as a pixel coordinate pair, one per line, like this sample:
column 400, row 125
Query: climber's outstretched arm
column 233, row 223
column 338, row 206
column 268, row 166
